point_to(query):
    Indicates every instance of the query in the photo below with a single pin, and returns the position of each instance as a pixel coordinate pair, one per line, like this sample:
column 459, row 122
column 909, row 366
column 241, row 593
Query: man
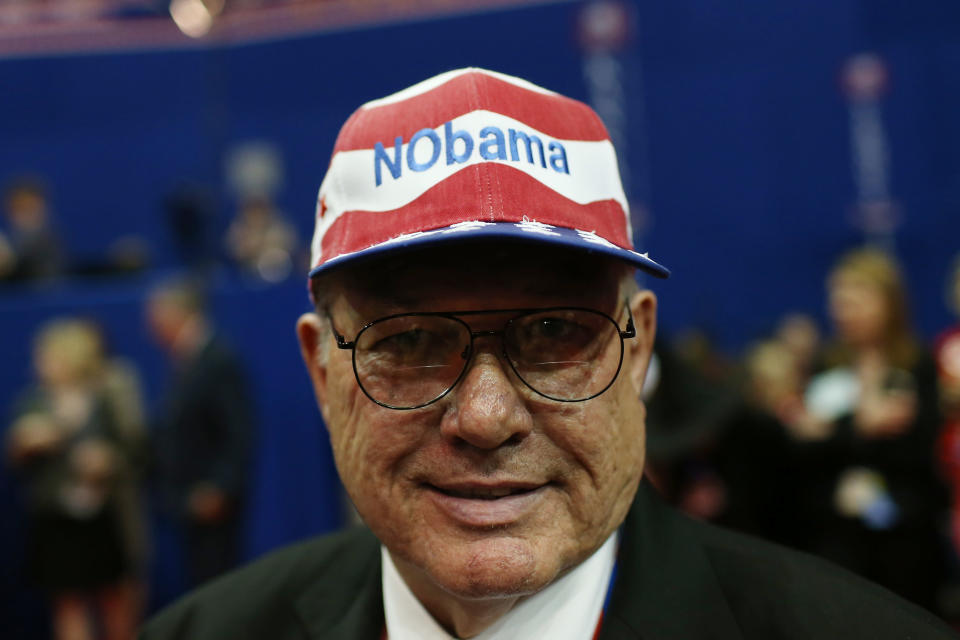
column 33, row 251
column 203, row 437
column 478, row 352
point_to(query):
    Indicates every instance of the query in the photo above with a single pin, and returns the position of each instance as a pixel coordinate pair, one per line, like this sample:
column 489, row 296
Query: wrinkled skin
column 579, row 463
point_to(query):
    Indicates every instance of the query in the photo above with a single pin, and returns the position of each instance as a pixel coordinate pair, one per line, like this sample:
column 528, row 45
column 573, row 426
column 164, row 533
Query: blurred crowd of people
column 77, row 440
column 259, row 242
column 93, row 468
column 846, row 446
column 81, row 448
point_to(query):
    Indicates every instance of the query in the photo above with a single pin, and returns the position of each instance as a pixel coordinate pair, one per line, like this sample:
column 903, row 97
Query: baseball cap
column 472, row 154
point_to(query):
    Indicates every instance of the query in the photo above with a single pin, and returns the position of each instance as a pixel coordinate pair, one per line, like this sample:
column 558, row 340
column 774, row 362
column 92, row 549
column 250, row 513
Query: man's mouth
column 483, row 493
column 478, row 504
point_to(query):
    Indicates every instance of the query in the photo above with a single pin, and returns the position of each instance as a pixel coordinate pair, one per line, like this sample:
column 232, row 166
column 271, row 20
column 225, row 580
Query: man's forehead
column 441, row 276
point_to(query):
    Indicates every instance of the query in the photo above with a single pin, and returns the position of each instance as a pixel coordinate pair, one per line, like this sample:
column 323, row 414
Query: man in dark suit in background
column 204, row 431
column 478, row 350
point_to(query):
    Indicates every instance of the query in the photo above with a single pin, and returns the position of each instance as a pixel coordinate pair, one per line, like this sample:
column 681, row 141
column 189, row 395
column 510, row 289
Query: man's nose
column 488, row 409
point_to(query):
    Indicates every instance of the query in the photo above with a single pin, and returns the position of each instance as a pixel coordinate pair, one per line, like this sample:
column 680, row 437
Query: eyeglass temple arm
column 341, row 341
column 631, row 330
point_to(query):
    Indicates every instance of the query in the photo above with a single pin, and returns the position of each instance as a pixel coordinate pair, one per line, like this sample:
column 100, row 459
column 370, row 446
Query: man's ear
column 310, row 332
column 643, row 306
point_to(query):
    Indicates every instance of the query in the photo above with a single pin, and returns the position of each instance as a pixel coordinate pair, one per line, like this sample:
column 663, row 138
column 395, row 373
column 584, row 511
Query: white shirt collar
column 568, row 609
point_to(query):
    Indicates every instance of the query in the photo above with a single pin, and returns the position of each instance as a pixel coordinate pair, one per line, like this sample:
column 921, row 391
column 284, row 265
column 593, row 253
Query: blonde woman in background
column 868, row 432
column 75, row 440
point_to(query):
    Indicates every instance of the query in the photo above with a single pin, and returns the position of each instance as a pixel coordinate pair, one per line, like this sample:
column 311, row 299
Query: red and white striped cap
column 472, row 154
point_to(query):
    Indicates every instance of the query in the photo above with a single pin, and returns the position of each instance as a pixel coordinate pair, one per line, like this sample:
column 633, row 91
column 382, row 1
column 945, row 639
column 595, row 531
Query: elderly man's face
column 492, row 491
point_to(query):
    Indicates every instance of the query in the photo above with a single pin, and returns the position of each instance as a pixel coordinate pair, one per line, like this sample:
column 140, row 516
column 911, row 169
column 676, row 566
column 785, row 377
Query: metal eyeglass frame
column 342, row 343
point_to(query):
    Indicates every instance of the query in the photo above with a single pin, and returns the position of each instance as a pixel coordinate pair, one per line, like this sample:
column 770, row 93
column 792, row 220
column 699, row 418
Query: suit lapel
column 666, row 587
column 348, row 602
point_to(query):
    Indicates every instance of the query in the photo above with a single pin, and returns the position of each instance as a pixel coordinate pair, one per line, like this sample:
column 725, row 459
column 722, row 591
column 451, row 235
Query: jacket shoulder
column 776, row 592
column 259, row 600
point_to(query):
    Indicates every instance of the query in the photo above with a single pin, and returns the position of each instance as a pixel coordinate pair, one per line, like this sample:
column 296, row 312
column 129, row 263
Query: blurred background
column 796, row 163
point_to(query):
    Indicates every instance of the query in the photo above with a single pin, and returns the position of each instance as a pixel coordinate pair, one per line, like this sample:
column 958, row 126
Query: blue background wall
column 738, row 137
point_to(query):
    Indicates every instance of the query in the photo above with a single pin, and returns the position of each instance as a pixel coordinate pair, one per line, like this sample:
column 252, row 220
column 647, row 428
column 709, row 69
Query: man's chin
column 492, row 569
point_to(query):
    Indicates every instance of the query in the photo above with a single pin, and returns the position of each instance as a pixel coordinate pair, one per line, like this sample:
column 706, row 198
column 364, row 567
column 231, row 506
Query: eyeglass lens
column 560, row 353
column 410, row 360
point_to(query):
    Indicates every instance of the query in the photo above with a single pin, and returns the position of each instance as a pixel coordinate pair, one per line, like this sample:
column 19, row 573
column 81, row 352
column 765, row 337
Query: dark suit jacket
column 205, row 430
column 677, row 579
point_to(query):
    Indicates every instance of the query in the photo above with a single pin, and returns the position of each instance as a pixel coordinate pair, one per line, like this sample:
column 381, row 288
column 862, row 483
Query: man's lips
column 484, row 505
column 484, row 491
